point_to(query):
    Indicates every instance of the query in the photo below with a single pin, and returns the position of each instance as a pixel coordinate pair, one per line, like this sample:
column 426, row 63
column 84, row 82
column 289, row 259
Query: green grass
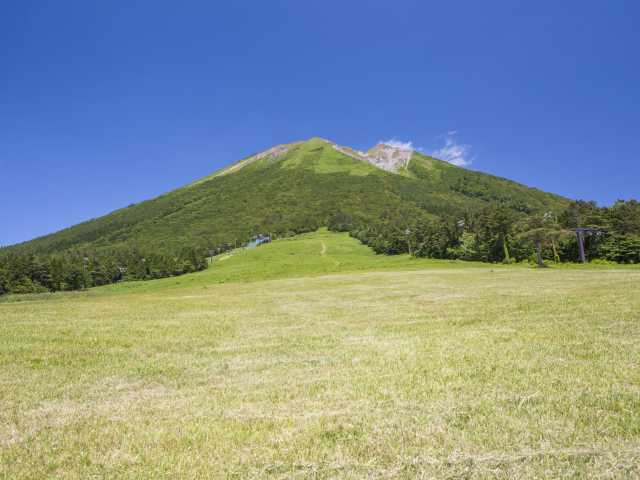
column 312, row 254
column 319, row 156
column 340, row 365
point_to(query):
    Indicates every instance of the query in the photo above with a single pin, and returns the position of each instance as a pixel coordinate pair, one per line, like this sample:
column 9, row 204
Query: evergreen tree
column 4, row 281
column 542, row 230
column 624, row 217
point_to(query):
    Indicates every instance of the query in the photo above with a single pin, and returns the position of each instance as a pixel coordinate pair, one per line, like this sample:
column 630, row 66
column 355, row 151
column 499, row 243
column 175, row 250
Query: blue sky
column 103, row 104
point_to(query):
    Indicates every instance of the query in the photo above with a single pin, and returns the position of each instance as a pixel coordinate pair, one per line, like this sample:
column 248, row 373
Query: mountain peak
column 392, row 156
column 294, row 187
column 319, row 140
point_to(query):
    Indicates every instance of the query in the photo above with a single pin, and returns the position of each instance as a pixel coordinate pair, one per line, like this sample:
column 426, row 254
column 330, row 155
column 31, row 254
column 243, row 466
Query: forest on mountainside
column 495, row 233
column 295, row 192
column 429, row 208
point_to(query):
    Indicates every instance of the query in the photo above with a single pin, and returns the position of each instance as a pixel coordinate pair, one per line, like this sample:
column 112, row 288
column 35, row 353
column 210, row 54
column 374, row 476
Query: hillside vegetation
column 314, row 357
column 295, row 191
column 394, row 200
column 310, row 254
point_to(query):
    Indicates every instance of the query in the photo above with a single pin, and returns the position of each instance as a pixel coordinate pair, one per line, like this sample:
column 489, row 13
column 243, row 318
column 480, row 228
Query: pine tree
column 542, row 230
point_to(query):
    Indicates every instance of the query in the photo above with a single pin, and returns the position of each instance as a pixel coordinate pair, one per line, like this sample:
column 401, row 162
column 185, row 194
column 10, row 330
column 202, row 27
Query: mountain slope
column 293, row 188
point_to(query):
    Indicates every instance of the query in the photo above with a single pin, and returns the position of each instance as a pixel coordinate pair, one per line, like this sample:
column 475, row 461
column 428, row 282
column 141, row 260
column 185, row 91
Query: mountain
column 296, row 187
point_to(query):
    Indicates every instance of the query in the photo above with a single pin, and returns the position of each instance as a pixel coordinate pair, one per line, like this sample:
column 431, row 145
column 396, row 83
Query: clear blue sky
column 103, row 104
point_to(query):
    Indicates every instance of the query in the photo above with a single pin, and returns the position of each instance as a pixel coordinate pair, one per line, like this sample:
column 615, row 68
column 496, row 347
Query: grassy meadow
column 312, row 357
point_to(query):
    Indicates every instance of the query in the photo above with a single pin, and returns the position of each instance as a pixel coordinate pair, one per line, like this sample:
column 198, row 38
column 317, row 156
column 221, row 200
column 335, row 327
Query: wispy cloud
column 453, row 152
column 398, row 144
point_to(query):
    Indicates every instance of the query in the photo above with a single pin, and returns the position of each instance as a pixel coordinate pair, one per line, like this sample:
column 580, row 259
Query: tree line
column 497, row 233
column 494, row 233
column 78, row 269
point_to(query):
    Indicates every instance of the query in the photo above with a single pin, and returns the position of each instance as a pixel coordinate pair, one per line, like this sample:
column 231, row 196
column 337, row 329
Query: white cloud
column 454, row 152
column 398, row 144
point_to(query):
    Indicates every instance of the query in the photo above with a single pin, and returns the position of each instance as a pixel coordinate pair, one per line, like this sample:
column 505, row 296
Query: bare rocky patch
column 386, row 157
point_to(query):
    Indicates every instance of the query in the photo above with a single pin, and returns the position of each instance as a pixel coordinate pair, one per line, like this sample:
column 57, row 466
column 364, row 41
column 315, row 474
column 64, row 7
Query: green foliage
column 542, row 231
column 466, row 248
column 624, row 217
column 497, row 233
column 294, row 193
column 26, row 285
column 430, row 209
column 621, row 248
column 583, row 213
column 76, row 270
column 618, row 229
column 4, row 281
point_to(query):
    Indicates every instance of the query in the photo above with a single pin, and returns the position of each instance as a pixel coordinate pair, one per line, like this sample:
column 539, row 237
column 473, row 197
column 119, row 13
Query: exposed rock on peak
column 387, row 157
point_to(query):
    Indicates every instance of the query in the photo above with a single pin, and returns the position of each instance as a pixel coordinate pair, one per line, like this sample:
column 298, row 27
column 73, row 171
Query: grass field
column 313, row 358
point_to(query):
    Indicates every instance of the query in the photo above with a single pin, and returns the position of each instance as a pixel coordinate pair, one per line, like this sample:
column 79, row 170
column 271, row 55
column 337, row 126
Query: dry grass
column 445, row 372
